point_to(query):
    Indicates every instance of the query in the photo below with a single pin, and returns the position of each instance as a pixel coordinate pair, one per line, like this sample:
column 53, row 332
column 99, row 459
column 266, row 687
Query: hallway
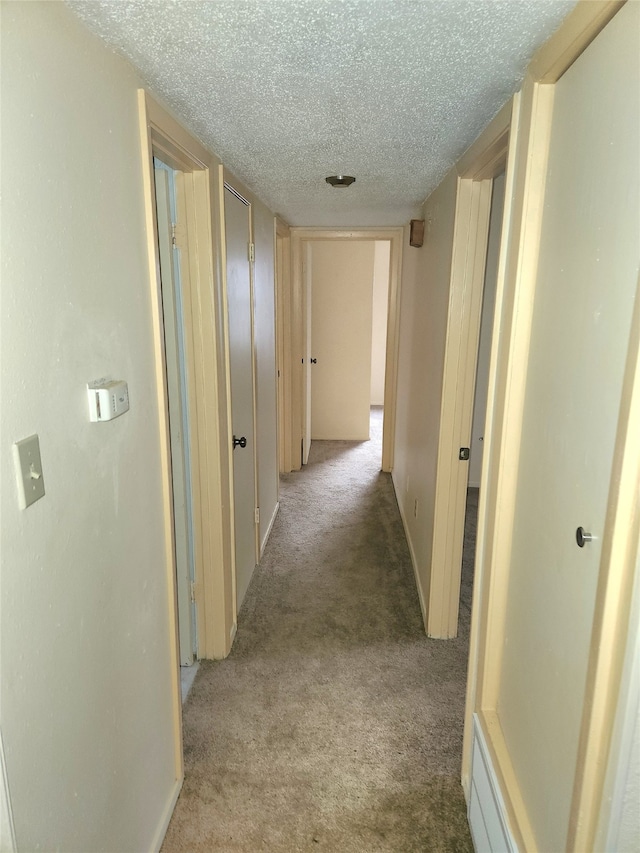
column 334, row 724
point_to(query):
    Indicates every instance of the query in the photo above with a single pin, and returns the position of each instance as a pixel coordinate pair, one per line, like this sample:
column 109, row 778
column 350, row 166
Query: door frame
column 283, row 340
column 172, row 321
column 228, row 182
column 208, row 391
column 530, row 126
column 299, row 237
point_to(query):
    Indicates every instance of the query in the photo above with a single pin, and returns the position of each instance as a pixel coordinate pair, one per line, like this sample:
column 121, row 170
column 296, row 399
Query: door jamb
column 208, row 393
column 298, row 237
column 283, row 341
column 524, row 199
column 228, row 182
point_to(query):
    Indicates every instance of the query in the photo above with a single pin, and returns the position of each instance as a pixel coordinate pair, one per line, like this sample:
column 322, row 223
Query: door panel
column 341, row 324
column 581, row 323
column 239, row 299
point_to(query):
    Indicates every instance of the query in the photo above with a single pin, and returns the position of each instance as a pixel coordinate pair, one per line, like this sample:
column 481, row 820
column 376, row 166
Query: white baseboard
column 414, row 562
column 166, row 816
column 269, row 529
column 486, row 812
column 7, row 830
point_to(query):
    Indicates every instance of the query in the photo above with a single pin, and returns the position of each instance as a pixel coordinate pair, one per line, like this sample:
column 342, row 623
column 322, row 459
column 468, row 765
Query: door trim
column 530, row 127
column 283, row 342
column 298, row 237
column 208, row 394
column 228, row 182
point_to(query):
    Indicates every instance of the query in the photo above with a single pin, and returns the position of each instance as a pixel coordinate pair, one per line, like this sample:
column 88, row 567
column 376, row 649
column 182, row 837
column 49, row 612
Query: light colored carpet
column 334, row 724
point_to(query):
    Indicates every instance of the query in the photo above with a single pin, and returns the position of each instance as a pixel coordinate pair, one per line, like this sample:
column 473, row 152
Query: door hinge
column 465, row 453
column 257, row 515
column 173, row 233
column 193, row 590
column 252, row 252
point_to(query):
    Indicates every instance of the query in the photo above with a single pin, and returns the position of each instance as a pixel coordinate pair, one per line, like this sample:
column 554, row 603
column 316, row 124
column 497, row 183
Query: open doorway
column 170, row 248
column 481, row 391
column 346, row 289
column 305, row 243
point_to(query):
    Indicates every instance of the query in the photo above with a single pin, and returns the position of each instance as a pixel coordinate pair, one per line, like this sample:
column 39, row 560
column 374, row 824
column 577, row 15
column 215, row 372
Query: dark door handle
column 239, row 441
column 314, row 361
column 582, row 537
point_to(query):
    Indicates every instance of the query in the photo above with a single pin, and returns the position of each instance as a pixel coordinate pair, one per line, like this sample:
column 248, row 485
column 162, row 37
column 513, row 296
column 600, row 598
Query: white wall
column 423, row 321
column 86, row 679
column 486, row 332
column 379, row 320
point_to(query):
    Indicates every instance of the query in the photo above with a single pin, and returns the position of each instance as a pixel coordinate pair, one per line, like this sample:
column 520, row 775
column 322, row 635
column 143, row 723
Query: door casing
column 529, row 128
column 299, row 237
column 208, row 391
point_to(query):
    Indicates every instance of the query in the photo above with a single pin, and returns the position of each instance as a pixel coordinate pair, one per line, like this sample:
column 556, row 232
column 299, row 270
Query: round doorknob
column 582, row 536
column 242, row 442
column 314, row 361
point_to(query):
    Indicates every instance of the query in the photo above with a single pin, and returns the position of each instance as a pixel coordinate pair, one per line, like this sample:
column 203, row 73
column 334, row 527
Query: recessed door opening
column 346, row 296
column 170, row 237
column 481, row 390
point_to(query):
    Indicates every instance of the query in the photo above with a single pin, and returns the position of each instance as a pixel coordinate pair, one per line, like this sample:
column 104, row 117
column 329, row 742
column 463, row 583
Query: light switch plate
column 26, row 454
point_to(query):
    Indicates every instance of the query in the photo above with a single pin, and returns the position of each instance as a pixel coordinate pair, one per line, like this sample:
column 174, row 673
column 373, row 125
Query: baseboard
column 269, row 529
column 486, row 809
column 232, row 634
column 414, row 562
column 7, row 829
column 166, row 816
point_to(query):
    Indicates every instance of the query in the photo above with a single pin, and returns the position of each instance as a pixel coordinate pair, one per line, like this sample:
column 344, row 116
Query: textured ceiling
column 287, row 92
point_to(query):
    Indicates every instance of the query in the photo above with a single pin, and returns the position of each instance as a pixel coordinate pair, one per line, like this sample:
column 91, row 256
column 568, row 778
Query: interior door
column 240, row 307
column 341, row 330
column 585, row 290
column 175, row 360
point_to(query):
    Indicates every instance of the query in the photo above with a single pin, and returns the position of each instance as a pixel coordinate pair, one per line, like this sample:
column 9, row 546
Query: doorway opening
column 346, row 302
column 168, row 186
column 312, row 250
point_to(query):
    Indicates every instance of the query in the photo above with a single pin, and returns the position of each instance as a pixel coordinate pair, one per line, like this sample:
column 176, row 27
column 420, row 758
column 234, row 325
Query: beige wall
column 86, row 701
column 86, row 680
column 423, row 322
column 379, row 320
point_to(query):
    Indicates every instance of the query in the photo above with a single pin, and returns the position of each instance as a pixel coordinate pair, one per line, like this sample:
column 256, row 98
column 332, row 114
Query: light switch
column 26, row 454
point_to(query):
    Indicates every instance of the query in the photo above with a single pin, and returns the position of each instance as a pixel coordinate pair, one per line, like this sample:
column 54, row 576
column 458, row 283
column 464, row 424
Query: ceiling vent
column 340, row 180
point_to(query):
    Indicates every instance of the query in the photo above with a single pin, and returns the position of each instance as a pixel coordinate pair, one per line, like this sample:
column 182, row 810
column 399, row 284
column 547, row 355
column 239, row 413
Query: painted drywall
column 266, row 375
column 486, row 331
column 380, row 310
column 341, row 321
column 86, row 698
column 423, row 322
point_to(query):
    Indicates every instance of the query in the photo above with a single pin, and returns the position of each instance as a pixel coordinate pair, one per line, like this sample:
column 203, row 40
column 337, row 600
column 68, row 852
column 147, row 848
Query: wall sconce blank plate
column 416, row 233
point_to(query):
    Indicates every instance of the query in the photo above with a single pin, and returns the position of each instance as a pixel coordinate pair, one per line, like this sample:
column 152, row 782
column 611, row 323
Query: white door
column 586, row 284
column 239, row 300
column 175, row 358
column 341, row 330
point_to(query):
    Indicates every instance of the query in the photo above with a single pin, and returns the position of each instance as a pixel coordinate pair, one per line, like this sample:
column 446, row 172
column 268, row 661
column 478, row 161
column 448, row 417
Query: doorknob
column 582, row 536
column 314, row 360
column 239, row 441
